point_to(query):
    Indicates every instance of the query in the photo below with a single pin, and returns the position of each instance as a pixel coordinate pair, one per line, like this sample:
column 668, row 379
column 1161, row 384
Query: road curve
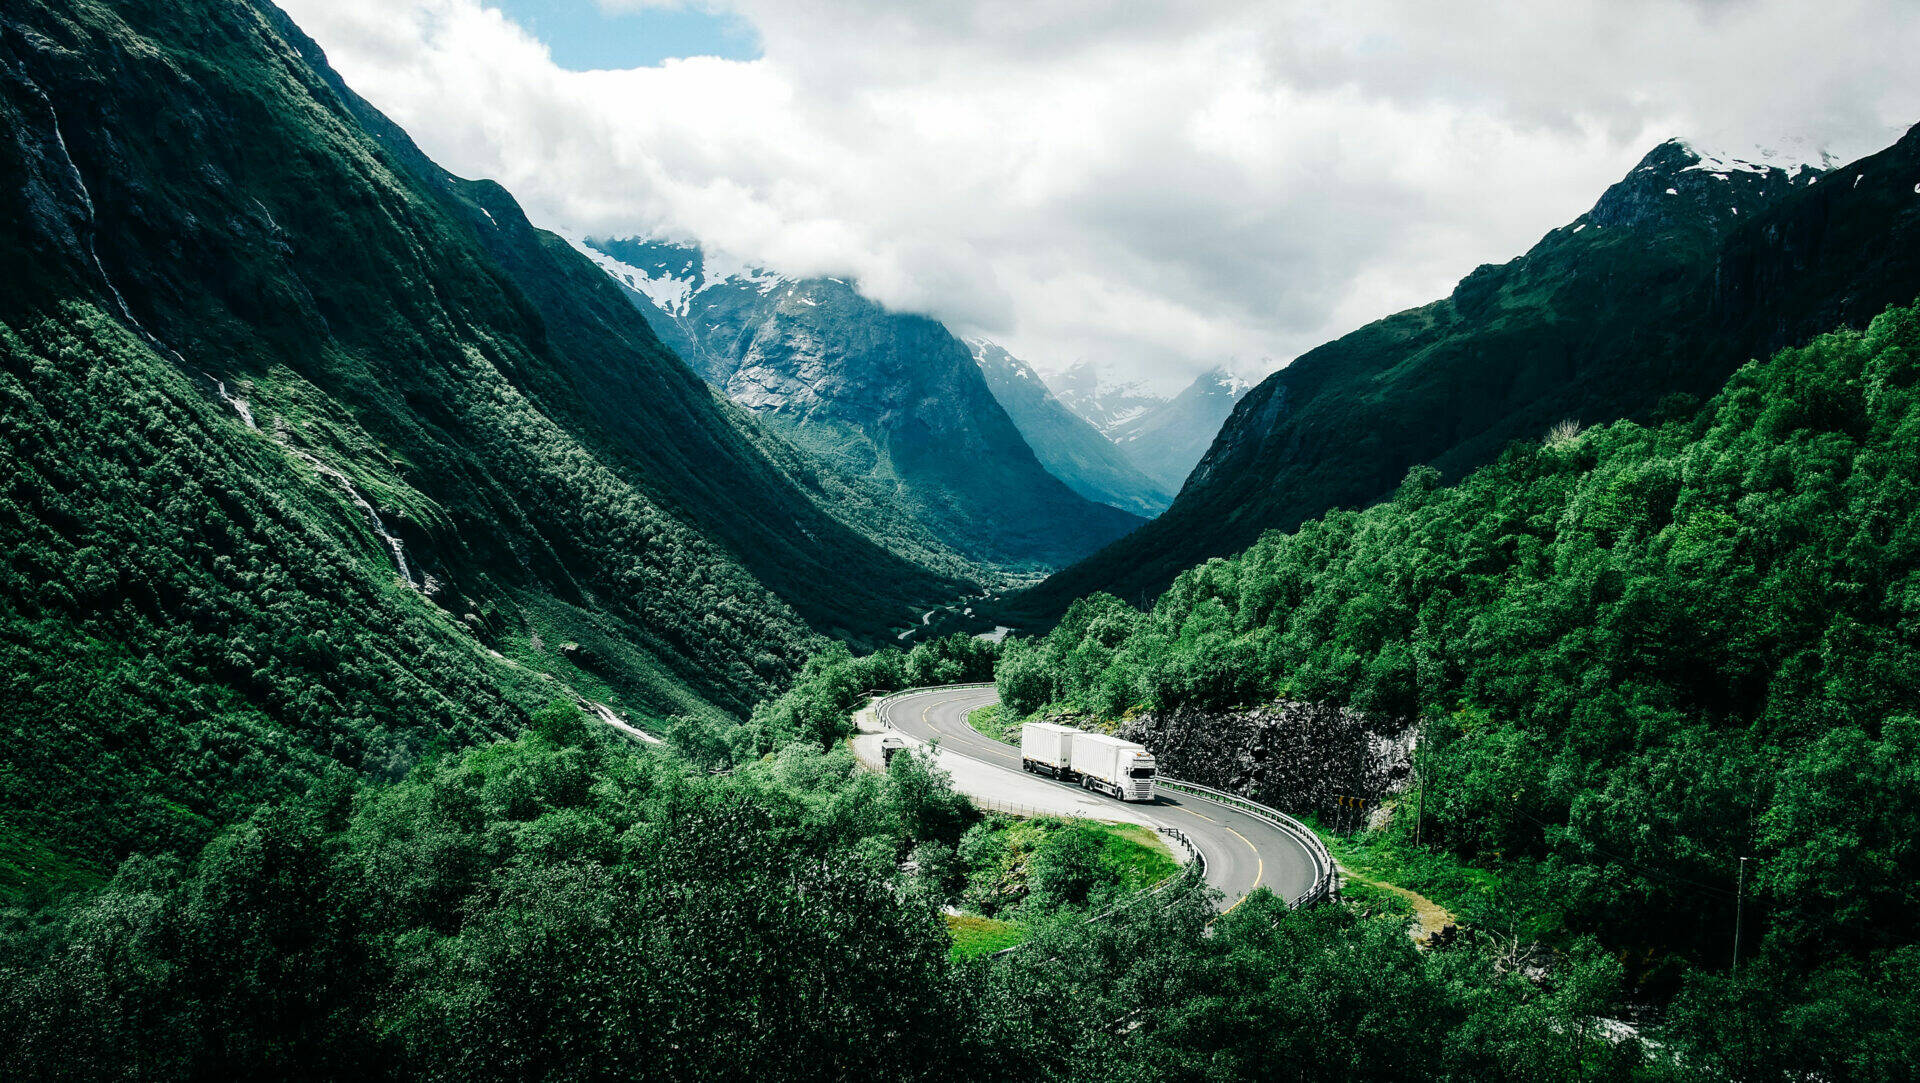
column 1242, row 853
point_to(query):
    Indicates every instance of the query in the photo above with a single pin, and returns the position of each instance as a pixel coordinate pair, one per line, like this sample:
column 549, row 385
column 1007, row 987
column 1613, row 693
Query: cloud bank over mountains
column 1155, row 187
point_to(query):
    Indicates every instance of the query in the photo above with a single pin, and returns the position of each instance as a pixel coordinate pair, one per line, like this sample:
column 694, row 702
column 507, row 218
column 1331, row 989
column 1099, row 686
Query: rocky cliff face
column 1293, row 756
column 1689, row 266
column 892, row 397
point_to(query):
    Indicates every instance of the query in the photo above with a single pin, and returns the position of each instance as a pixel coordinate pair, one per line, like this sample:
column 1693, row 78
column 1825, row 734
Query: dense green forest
column 1639, row 653
column 333, row 487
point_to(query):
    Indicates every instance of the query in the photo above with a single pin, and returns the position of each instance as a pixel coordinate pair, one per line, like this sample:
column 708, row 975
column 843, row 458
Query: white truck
column 1112, row 766
column 1047, row 749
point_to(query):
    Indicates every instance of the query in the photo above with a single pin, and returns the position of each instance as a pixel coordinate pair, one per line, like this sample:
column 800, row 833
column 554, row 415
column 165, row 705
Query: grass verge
column 1384, row 869
column 1138, row 855
column 991, row 721
column 974, row 936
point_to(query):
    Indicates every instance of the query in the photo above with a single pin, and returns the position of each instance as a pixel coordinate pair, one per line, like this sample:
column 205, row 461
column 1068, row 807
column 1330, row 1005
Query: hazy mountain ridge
column 1163, row 437
column 1105, row 405
column 1067, row 444
column 1169, row 440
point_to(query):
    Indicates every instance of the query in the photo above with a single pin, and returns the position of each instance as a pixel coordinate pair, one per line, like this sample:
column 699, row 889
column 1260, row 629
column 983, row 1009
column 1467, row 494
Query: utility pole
column 1739, row 912
column 1419, row 811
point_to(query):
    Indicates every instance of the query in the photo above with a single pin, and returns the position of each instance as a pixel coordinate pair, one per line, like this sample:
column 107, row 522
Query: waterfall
column 239, row 405
column 606, row 714
column 425, row 584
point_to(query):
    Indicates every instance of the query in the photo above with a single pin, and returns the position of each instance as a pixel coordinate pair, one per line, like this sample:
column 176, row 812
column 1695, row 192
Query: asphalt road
column 1242, row 853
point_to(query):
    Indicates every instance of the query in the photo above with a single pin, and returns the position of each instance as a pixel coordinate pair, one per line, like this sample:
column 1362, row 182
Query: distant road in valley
column 1242, row 853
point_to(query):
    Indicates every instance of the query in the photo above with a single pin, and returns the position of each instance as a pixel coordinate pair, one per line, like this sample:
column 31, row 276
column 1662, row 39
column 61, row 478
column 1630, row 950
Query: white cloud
column 1154, row 186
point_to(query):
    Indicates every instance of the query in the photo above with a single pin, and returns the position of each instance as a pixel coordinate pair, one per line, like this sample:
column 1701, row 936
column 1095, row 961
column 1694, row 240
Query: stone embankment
column 1287, row 754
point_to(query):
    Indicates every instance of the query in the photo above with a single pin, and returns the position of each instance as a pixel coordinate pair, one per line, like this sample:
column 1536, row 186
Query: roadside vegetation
column 1007, row 874
column 974, row 936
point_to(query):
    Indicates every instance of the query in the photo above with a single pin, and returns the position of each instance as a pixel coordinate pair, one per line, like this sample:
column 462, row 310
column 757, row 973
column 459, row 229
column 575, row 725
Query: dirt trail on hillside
column 1432, row 917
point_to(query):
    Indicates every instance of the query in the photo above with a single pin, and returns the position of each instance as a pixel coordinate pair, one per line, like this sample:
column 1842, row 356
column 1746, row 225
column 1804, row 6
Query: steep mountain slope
column 889, row 397
column 1166, row 441
column 1067, row 444
column 317, row 457
column 1682, row 271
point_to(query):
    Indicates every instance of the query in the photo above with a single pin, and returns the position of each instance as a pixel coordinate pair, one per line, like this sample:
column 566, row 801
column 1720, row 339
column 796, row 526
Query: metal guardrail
column 1324, row 866
column 886, row 701
column 1194, row 871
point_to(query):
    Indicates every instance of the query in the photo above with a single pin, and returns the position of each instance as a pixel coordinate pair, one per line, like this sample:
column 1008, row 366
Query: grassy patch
column 31, row 872
column 994, row 721
column 1138, row 855
column 1084, row 863
column 974, row 936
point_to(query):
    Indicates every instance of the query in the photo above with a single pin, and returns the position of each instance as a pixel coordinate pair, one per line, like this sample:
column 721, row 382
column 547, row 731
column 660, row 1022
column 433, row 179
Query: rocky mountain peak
column 1680, row 183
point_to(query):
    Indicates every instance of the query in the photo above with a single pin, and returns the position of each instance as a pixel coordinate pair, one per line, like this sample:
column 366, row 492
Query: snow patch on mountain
column 681, row 274
column 1791, row 156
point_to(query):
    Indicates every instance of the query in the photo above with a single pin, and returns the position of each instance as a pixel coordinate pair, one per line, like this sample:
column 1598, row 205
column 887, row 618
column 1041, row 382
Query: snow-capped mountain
column 1105, row 406
column 1678, row 183
column 890, row 397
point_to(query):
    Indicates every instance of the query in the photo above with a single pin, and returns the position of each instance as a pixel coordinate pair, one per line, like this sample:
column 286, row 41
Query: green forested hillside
column 1640, row 653
column 317, row 456
column 1677, row 276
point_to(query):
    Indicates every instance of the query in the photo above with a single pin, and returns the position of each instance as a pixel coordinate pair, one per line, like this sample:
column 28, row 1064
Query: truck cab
column 1138, row 773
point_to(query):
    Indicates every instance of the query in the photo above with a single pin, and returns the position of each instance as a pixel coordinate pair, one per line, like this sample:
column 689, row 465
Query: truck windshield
column 1141, row 772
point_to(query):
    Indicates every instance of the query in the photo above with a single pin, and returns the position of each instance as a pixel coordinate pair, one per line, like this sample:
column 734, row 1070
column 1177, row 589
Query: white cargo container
column 1047, row 749
column 1110, row 765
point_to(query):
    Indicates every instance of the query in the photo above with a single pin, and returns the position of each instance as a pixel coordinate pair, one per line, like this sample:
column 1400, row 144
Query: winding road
column 1241, row 851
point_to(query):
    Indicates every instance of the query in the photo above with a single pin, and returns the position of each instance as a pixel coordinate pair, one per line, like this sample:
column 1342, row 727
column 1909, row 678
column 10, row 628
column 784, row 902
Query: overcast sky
column 1154, row 187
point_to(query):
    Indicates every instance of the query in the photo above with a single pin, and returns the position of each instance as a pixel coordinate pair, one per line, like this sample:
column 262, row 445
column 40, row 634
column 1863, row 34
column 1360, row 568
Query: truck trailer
column 1112, row 766
column 1047, row 749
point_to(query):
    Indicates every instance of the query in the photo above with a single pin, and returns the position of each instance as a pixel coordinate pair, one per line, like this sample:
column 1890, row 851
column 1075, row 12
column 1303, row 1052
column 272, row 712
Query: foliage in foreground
column 565, row 906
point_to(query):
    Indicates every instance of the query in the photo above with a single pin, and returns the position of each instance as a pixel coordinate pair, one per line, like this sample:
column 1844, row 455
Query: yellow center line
column 1259, row 872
